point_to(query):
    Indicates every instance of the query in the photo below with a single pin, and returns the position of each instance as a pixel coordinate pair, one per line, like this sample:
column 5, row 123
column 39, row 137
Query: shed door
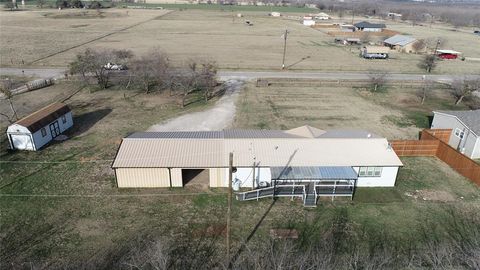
column 21, row 142
column 54, row 129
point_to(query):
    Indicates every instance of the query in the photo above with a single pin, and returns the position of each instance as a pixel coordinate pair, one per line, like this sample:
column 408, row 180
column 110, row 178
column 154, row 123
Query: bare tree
column 93, row 62
column 5, row 88
column 40, row 3
column 150, row 69
column 428, row 63
column 463, row 88
column 425, row 90
column 419, row 45
column 365, row 37
column 377, row 80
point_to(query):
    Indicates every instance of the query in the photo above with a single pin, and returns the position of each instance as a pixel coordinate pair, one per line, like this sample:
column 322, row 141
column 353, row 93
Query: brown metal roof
column 43, row 117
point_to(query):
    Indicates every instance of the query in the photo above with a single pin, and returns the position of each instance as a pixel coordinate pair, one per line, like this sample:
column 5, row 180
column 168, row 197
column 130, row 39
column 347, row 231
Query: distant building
column 401, row 43
column 348, row 41
column 308, row 22
column 394, row 15
column 39, row 128
column 375, row 52
column 369, row 27
column 465, row 126
column 347, row 28
column 275, row 14
column 321, row 16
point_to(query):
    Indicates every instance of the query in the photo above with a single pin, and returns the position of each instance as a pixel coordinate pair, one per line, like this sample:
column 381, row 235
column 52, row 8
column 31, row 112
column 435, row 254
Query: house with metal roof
column 304, row 162
column 369, row 27
column 39, row 128
column 465, row 126
column 401, row 43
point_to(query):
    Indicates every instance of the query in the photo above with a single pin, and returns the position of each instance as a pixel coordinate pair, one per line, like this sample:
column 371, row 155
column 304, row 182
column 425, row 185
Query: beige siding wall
column 142, row 177
column 218, row 177
column 176, row 177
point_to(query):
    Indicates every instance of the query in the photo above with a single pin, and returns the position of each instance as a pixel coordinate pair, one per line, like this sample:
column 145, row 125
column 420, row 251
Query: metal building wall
column 218, row 177
column 143, row 177
column 177, row 180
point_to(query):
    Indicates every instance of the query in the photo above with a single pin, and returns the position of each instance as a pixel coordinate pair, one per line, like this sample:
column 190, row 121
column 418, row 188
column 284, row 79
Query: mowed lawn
column 54, row 37
column 60, row 208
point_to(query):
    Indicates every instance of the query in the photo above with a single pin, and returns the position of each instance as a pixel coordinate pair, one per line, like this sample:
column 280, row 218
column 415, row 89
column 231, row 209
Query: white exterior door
column 21, row 141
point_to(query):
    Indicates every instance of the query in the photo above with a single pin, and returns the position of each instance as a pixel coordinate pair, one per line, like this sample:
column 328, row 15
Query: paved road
column 249, row 75
column 252, row 75
column 41, row 73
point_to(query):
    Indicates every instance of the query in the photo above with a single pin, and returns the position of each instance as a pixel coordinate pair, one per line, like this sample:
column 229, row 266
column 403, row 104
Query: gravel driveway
column 219, row 117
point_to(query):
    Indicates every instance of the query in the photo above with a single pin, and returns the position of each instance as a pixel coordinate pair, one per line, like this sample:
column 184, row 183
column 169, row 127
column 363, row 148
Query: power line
column 111, row 195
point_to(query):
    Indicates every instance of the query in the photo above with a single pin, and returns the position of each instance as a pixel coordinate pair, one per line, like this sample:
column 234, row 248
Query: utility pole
column 436, row 47
column 284, row 47
column 353, row 15
column 229, row 204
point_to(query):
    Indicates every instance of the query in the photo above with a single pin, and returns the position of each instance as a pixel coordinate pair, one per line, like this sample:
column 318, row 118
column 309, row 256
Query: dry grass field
column 60, row 207
column 330, row 107
column 212, row 34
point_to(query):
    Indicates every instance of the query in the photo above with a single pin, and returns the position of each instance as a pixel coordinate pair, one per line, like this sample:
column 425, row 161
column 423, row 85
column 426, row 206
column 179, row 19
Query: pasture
column 52, row 38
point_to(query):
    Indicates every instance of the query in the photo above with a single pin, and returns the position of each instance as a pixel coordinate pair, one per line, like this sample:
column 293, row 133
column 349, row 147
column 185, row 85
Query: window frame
column 459, row 133
column 44, row 132
column 370, row 171
column 64, row 119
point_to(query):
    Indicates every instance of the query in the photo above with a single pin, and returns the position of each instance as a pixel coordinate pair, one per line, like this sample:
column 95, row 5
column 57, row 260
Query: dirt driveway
column 219, row 117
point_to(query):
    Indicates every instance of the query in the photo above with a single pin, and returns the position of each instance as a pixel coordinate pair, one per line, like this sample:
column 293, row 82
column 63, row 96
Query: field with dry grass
column 54, row 37
column 60, row 207
column 395, row 114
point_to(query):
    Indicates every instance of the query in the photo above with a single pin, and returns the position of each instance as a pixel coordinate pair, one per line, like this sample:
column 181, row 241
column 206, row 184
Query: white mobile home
column 305, row 160
column 465, row 126
column 37, row 129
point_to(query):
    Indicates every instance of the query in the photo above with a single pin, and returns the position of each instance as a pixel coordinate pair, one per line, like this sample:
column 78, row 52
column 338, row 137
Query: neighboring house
column 37, row 129
column 321, row 16
column 401, row 43
column 465, row 127
column 394, row 15
column 375, row 52
column 369, row 27
column 348, row 41
column 347, row 28
column 308, row 22
column 448, row 54
column 305, row 160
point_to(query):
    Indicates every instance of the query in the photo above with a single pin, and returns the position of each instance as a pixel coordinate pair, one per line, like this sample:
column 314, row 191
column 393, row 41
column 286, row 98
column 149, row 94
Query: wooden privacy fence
column 435, row 143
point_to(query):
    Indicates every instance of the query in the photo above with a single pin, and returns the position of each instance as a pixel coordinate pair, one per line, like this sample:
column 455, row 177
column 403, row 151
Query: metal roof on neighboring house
column 43, row 117
column 366, row 24
column 470, row 118
column 400, row 40
column 167, row 151
column 449, row 52
column 348, row 133
column 313, row 173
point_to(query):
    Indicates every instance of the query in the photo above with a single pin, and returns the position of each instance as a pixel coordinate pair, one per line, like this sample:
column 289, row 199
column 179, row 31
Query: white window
column 459, row 133
column 370, row 171
column 44, row 132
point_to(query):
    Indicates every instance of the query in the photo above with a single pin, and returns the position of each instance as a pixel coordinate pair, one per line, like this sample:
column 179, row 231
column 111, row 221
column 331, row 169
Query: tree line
column 149, row 72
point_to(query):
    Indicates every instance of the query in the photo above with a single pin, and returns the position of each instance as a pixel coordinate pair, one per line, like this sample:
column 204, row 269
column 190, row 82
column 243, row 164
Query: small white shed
column 37, row 129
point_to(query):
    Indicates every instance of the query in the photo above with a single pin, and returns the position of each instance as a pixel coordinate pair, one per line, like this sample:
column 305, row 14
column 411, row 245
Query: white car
column 110, row 66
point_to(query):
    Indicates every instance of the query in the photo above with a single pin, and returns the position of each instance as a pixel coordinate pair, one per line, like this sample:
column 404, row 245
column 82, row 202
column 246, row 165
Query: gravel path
column 217, row 118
